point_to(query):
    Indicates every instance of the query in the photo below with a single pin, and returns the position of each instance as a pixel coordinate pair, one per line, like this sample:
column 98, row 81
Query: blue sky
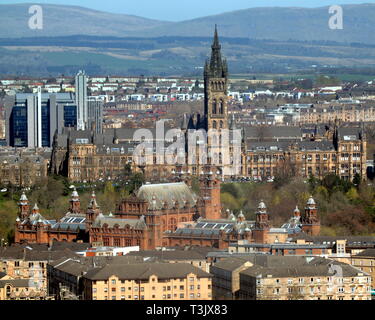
column 177, row 10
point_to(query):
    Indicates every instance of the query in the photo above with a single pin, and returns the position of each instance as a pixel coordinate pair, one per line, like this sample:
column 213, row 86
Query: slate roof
column 231, row 264
column 300, row 271
column 18, row 283
column 272, row 146
column 170, row 254
column 351, row 240
column 283, row 132
column 34, row 253
column 142, row 271
column 366, row 253
column 81, row 265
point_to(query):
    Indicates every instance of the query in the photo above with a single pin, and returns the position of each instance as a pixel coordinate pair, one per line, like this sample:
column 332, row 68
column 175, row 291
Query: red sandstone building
column 32, row 227
column 162, row 215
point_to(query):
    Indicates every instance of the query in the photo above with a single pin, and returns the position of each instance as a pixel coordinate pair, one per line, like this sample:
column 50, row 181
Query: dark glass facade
column 18, row 126
column 46, row 125
column 70, row 116
column 57, row 111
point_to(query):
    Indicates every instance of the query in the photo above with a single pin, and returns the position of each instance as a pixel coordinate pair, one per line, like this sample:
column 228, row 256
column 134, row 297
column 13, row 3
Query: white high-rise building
column 81, row 100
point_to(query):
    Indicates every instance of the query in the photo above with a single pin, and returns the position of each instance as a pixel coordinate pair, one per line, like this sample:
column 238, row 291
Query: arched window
column 214, row 107
column 221, row 107
column 172, row 224
column 214, row 124
column 221, row 124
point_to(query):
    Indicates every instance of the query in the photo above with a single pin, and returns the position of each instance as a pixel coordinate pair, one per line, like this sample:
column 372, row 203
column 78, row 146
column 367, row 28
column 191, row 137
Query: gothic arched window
column 221, row 107
column 214, row 124
column 214, row 107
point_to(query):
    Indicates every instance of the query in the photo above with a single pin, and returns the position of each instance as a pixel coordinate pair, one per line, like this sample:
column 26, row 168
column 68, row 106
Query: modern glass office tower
column 95, row 115
column 32, row 119
column 81, row 100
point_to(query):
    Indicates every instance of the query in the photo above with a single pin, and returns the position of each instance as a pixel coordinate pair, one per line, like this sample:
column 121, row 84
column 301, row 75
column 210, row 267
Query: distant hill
column 62, row 20
column 257, row 23
column 281, row 24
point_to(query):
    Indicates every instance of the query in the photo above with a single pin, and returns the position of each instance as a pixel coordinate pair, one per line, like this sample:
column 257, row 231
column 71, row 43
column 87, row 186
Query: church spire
column 216, row 43
column 216, row 67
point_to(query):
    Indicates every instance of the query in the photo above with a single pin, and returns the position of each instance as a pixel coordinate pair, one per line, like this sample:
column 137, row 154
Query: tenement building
column 25, row 268
column 304, row 282
column 23, row 167
column 19, row 289
column 252, row 152
column 268, row 277
column 147, row 281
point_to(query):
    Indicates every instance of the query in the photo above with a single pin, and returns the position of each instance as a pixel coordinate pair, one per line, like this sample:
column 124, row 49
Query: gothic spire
column 216, row 43
column 216, row 67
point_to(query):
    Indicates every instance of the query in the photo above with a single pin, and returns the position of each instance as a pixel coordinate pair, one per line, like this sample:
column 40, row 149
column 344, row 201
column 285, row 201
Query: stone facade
column 334, row 148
